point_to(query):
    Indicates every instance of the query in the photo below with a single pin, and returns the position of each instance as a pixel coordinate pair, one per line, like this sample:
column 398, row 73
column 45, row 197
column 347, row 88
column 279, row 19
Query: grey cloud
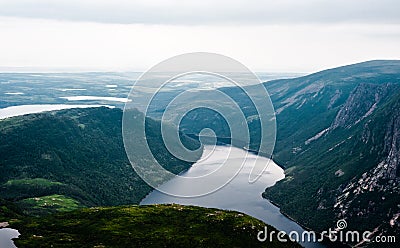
column 206, row 12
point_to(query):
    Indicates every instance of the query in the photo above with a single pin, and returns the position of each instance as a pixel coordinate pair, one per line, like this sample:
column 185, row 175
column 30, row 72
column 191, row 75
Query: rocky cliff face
column 346, row 156
column 392, row 145
column 380, row 185
column 361, row 103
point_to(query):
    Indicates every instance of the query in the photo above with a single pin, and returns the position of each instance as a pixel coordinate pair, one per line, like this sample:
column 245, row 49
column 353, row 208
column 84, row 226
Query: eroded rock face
column 381, row 184
column 361, row 103
column 346, row 155
column 392, row 146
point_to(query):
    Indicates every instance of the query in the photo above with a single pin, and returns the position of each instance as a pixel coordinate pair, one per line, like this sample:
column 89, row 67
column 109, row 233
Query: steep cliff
column 343, row 159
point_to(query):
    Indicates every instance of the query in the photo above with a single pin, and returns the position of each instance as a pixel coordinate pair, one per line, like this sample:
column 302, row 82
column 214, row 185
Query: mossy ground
column 144, row 226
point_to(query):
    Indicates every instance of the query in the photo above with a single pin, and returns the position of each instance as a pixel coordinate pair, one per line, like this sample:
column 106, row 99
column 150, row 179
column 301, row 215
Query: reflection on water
column 238, row 194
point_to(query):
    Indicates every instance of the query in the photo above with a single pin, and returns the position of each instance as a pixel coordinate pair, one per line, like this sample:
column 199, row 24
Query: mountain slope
column 308, row 105
column 73, row 158
column 338, row 135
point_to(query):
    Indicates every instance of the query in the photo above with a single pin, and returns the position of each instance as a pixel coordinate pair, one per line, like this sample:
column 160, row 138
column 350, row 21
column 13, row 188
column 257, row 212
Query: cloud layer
column 226, row 12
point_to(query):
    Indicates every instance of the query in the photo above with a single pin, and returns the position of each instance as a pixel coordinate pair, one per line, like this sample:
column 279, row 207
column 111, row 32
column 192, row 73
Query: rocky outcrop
column 381, row 184
column 392, row 146
column 361, row 103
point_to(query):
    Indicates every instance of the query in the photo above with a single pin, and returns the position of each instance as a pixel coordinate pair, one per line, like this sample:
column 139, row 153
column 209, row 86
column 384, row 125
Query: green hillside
column 64, row 160
column 145, row 226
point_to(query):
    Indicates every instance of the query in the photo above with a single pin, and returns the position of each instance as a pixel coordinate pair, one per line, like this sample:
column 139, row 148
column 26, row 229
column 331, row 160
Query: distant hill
column 146, row 226
column 63, row 160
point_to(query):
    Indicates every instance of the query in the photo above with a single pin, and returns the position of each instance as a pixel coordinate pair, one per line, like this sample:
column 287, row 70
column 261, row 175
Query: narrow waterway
column 238, row 194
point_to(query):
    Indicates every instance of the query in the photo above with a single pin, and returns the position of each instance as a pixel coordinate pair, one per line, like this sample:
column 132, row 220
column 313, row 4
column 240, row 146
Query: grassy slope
column 48, row 204
column 144, row 226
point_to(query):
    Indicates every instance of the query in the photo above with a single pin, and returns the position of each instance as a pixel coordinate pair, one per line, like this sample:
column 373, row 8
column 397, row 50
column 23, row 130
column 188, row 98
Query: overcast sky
column 272, row 36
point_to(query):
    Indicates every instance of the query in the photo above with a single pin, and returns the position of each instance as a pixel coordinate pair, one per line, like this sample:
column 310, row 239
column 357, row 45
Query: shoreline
column 288, row 216
column 325, row 241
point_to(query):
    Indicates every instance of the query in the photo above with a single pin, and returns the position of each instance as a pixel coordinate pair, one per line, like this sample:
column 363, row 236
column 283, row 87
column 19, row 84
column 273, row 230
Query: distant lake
column 239, row 194
column 95, row 98
column 6, row 234
column 37, row 108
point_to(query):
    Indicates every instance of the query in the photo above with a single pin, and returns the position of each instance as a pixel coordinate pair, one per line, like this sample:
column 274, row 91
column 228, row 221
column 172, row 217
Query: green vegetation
column 35, row 182
column 48, row 204
column 49, row 154
column 359, row 138
column 8, row 210
column 144, row 226
column 358, row 107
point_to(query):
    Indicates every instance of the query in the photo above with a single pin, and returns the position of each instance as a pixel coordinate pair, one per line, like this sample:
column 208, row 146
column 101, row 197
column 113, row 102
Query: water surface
column 6, row 236
column 238, row 194
column 38, row 108
column 96, row 98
